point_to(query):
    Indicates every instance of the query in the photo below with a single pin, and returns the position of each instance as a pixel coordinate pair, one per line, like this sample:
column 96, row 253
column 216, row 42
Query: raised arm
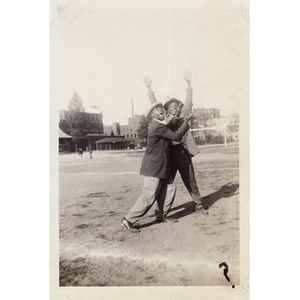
column 151, row 94
column 147, row 82
column 187, row 76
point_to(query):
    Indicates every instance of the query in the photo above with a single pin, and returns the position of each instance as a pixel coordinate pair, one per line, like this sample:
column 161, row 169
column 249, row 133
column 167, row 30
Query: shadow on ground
column 183, row 210
column 226, row 191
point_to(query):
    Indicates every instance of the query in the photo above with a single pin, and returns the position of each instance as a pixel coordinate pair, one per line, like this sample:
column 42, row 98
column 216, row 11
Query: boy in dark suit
column 156, row 167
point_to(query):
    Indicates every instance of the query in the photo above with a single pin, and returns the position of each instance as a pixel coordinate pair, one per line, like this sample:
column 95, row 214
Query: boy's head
column 155, row 111
column 171, row 106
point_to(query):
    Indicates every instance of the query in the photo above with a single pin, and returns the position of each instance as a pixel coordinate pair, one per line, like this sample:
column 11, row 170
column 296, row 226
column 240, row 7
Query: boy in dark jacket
column 156, row 166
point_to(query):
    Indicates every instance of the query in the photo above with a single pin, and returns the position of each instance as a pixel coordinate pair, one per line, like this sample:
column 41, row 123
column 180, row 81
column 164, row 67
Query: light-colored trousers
column 161, row 190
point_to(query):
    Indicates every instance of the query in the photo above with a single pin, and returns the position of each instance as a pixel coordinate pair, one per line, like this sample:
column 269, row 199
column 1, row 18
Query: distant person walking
column 182, row 151
column 80, row 151
column 89, row 149
column 156, row 167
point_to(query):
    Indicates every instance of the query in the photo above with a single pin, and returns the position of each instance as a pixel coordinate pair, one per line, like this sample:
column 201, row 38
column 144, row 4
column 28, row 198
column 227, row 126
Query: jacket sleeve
column 167, row 134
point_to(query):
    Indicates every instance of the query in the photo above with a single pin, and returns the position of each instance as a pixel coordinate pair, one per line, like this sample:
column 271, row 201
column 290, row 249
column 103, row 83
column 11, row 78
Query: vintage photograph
column 149, row 161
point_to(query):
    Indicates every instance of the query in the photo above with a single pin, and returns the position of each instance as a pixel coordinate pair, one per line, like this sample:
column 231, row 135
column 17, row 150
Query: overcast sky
column 103, row 51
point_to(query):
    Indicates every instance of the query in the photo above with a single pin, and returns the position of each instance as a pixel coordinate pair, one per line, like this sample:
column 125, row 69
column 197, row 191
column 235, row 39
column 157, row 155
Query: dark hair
column 172, row 100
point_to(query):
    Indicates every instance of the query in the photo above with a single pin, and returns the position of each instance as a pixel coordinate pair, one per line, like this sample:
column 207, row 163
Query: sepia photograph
column 149, row 117
column 145, row 153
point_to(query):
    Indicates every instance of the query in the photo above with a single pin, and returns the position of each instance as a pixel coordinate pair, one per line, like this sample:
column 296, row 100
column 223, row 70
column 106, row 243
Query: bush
column 219, row 139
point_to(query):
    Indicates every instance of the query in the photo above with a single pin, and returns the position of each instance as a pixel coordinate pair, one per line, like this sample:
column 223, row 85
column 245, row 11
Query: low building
column 92, row 138
column 65, row 142
column 113, row 143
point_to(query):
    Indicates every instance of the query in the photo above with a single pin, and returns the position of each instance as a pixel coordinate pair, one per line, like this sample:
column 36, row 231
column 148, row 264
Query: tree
column 142, row 131
column 75, row 118
column 75, row 103
column 201, row 119
column 233, row 125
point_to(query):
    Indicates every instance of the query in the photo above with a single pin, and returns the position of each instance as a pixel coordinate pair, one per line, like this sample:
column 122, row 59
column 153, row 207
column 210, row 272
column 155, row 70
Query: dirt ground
column 94, row 250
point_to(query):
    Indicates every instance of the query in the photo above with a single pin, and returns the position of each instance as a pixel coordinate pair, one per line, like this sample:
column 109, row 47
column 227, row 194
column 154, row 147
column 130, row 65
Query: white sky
column 103, row 51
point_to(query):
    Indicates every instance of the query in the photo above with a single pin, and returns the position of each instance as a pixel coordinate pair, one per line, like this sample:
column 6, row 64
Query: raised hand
column 147, row 81
column 178, row 109
column 187, row 76
column 188, row 115
column 168, row 118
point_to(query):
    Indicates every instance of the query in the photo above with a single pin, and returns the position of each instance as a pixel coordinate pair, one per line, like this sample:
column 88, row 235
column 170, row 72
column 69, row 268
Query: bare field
column 96, row 193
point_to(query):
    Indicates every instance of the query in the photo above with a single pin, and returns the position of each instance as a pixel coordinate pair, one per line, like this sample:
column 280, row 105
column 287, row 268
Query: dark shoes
column 166, row 220
column 129, row 226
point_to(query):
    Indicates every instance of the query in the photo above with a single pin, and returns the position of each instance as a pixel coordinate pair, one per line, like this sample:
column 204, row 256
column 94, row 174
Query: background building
column 113, row 129
column 116, row 128
column 107, row 129
column 113, row 143
column 65, row 142
column 203, row 115
column 94, row 122
column 218, row 126
column 91, row 129
column 130, row 130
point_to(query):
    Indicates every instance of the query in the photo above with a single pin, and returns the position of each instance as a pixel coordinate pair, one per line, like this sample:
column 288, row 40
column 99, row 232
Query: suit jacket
column 188, row 140
column 156, row 161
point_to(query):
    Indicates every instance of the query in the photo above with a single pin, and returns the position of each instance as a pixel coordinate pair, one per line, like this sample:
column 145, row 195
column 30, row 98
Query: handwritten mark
column 225, row 271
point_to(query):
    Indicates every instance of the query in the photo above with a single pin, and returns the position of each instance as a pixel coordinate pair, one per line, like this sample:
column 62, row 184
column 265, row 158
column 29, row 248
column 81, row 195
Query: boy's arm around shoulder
column 167, row 134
